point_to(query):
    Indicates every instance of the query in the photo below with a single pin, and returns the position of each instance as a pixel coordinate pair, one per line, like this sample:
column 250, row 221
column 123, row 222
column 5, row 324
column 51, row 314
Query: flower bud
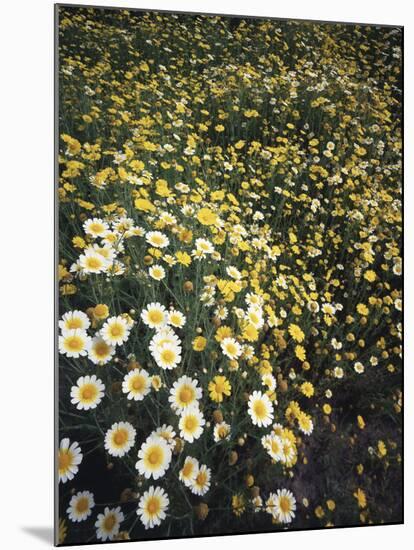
column 233, row 457
column 188, row 286
column 148, row 260
column 201, row 511
column 218, row 416
column 249, row 480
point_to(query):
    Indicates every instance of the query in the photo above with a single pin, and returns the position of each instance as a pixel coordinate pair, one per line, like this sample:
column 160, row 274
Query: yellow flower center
column 74, row 323
column 254, row 318
column 96, row 227
column 188, row 469
column 120, row 437
column 101, row 349
column 65, row 460
column 275, row 446
column 82, row 505
column 155, row 317
column 222, row 432
column 186, row 394
column 220, row 386
column 74, row 343
column 157, row 239
column 284, row 504
column 88, row 392
column 153, row 506
column 231, row 349
column 109, row 522
column 155, row 456
column 116, row 330
column 259, row 409
column 190, row 423
column 201, row 478
column 138, row 383
column 93, row 263
column 168, row 355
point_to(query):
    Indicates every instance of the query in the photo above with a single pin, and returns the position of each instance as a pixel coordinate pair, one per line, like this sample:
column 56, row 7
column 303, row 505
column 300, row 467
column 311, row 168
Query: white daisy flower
column 108, row 524
column 167, row 356
column 120, row 438
column 154, row 457
column 274, row 446
column 152, row 507
column 157, row 239
column 95, row 227
column 113, row 238
column 260, row 409
column 254, row 299
column 168, row 218
column 74, row 320
column 176, row 318
column 231, row 348
column 167, row 433
column 359, row 367
column 189, row 471
column 221, row 312
column 191, row 424
column 271, row 504
column 123, row 225
column 288, row 451
column 69, row 458
column 137, row 384
column 100, row 353
column 105, row 251
column 269, row 380
column 157, row 272
column 285, row 505
column 74, row 343
column 92, row 262
column 201, row 483
column 204, row 246
column 254, row 315
column 233, row 272
column 184, row 393
column 115, row 331
column 80, row 506
column 154, row 315
column 88, row 392
column 305, row 423
column 221, row 432
column 164, row 336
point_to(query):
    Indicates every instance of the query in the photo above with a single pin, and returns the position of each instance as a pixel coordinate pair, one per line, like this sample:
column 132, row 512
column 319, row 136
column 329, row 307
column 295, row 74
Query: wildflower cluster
column 229, row 274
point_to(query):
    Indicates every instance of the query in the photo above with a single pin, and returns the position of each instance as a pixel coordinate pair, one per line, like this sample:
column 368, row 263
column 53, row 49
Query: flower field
column 230, row 290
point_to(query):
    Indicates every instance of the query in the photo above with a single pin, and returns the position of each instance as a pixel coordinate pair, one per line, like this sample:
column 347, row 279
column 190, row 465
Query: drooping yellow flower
column 296, row 333
column 238, row 504
column 199, row 343
column 145, row 205
column 362, row 309
column 206, row 216
column 300, row 353
column 382, row 448
column 361, row 498
column 218, row 387
column 370, row 276
column 183, row 258
column 307, row 389
column 361, row 422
